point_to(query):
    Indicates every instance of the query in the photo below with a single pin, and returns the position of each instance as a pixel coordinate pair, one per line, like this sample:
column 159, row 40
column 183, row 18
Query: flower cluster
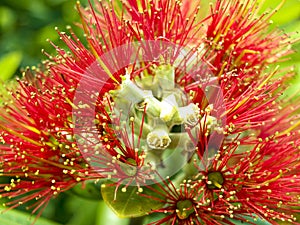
column 177, row 105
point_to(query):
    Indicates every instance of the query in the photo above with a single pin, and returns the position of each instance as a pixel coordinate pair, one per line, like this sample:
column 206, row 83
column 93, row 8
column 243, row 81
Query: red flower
column 37, row 149
column 239, row 39
column 182, row 205
column 158, row 92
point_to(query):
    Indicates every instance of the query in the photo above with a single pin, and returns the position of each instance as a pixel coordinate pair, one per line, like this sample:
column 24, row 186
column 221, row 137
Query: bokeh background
column 25, row 25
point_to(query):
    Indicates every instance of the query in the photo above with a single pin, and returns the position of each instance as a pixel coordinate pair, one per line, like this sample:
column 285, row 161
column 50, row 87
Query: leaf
column 7, row 18
column 153, row 218
column 16, row 217
column 253, row 219
column 90, row 190
column 84, row 211
column 130, row 203
column 106, row 216
column 9, row 64
column 288, row 12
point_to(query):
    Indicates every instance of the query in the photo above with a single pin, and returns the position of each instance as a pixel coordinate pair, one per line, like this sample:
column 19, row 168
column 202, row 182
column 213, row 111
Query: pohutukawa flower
column 176, row 113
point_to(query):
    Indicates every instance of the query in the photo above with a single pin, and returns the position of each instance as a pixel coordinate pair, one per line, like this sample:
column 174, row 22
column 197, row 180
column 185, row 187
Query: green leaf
column 129, row 203
column 289, row 11
column 16, row 217
column 7, row 18
column 9, row 64
column 153, row 218
column 106, row 216
column 84, row 211
column 91, row 190
column 255, row 219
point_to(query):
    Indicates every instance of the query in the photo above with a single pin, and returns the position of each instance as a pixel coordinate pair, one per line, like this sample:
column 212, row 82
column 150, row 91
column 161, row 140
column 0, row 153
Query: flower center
column 158, row 107
column 184, row 209
column 215, row 180
column 156, row 98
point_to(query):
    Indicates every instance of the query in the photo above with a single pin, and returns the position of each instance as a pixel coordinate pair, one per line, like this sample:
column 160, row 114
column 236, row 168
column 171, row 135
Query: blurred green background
column 24, row 27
